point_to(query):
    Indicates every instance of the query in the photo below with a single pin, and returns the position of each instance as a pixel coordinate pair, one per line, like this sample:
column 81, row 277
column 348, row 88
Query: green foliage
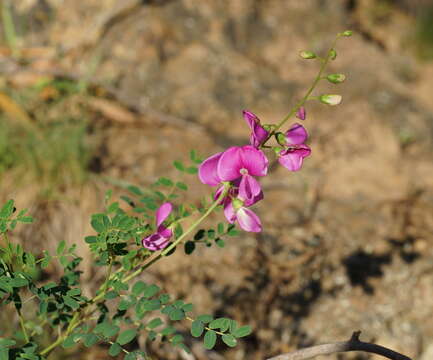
column 191, row 169
column 210, row 236
column 114, row 245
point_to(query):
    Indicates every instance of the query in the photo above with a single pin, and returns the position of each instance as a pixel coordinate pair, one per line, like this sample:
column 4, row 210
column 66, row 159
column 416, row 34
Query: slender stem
column 183, row 236
column 354, row 344
column 124, row 350
column 206, row 328
column 23, row 327
column 107, row 278
column 76, row 321
column 309, row 91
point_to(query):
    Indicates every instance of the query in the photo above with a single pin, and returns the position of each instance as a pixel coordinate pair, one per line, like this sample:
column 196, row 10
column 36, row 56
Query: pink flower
column 301, row 114
column 258, row 133
column 293, row 156
column 236, row 164
column 247, row 219
column 160, row 239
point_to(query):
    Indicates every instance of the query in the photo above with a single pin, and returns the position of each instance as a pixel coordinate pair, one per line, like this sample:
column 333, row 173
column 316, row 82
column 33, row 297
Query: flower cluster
column 239, row 166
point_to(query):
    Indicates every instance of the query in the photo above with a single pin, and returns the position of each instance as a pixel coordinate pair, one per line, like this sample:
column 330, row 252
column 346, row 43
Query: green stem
column 309, row 91
column 206, row 328
column 183, row 236
column 104, row 288
column 107, row 278
column 23, row 327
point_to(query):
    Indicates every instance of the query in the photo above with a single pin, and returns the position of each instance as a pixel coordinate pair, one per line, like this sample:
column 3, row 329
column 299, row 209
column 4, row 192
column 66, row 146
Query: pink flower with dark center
column 160, row 239
column 293, row 156
column 258, row 133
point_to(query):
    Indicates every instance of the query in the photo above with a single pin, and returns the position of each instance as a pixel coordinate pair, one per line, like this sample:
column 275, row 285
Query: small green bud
column 330, row 99
column 347, row 33
column 332, row 54
column 281, row 139
column 336, row 78
column 307, row 55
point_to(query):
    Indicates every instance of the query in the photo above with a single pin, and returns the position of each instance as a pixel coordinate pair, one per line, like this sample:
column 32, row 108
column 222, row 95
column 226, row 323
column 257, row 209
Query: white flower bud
column 330, row 99
column 307, row 55
column 336, row 78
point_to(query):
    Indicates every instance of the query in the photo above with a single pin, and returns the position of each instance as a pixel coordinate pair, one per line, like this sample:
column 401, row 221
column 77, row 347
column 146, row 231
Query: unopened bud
column 301, row 113
column 336, row 78
column 307, row 55
column 332, row 54
column 347, row 33
column 281, row 139
column 330, row 99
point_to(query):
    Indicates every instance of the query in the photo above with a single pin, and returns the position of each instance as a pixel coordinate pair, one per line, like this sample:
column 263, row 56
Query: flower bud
column 347, row 33
column 336, row 78
column 330, row 99
column 307, row 55
column 281, row 139
column 301, row 113
column 332, row 54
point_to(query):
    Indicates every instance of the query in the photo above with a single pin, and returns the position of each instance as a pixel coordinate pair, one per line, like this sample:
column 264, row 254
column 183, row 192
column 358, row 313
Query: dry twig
column 354, row 344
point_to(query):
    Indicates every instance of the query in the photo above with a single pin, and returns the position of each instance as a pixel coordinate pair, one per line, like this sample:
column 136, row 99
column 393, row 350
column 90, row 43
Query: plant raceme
column 127, row 245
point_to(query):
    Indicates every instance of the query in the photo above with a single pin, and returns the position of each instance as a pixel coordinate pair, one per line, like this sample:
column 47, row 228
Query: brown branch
column 354, row 344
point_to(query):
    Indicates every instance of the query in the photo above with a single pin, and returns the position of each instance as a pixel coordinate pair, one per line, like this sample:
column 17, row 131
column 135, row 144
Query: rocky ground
column 347, row 242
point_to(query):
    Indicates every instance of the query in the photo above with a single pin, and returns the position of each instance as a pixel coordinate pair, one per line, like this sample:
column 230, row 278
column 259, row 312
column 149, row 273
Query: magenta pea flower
column 293, row 156
column 237, row 162
column 160, row 239
column 258, row 133
column 247, row 219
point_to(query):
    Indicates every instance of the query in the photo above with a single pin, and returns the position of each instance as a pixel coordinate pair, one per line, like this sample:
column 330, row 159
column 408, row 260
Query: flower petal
column 296, row 135
column 230, row 163
column 207, row 171
column 248, row 220
column 249, row 188
column 250, row 118
column 163, row 212
column 292, row 159
column 254, row 161
column 155, row 242
column 229, row 212
column 254, row 200
column 259, row 134
column 165, row 232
